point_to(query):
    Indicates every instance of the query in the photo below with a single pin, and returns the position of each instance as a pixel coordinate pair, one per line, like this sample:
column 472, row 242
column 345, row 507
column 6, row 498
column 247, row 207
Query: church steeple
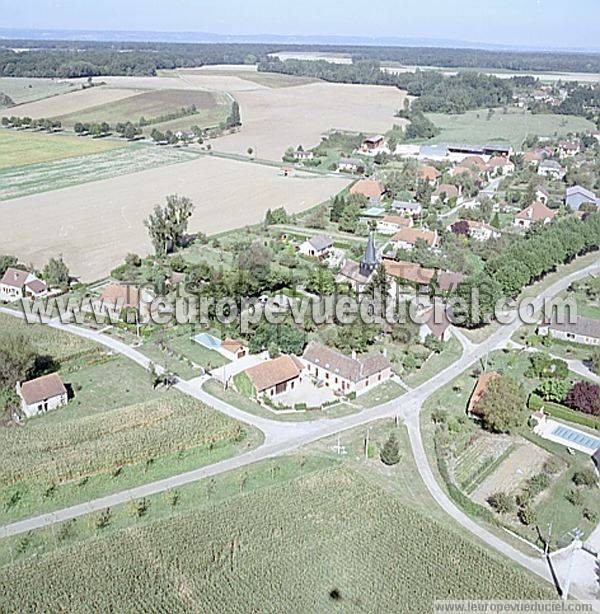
column 369, row 261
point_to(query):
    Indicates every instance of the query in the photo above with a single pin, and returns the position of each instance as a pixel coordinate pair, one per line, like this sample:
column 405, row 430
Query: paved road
column 282, row 438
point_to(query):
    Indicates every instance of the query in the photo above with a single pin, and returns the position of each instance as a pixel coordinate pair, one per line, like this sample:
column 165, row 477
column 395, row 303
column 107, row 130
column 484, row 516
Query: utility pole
column 575, row 546
column 367, row 444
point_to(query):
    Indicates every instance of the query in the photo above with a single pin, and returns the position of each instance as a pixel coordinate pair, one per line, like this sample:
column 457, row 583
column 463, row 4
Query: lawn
column 436, row 363
column 150, row 105
column 61, row 173
column 474, row 127
column 20, row 148
column 22, row 90
column 207, row 556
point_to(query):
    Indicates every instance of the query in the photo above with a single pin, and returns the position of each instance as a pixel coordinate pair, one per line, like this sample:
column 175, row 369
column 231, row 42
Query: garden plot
column 526, row 461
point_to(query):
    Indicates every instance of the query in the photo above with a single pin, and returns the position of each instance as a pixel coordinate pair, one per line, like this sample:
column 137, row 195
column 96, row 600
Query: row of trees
column 34, row 124
column 527, row 260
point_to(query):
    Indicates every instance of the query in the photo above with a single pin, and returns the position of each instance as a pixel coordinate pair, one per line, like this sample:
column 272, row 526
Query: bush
column 584, row 397
column 575, row 497
column 527, row 516
column 552, row 466
column 537, row 484
column 585, row 477
column 501, row 503
column 390, row 453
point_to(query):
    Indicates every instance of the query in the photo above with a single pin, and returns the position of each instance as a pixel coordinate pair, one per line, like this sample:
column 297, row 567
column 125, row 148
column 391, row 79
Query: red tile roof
column 42, row 389
column 272, row 372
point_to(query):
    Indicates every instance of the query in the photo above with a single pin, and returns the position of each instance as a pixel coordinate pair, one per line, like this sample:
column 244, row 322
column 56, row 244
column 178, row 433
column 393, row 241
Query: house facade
column 16, row 284
column 345, row 374
column 537, row 212
column 578, row 195
column 585, row 331
column 42, row 394
column 316, row 247
column 406, row 238
column 390, row 224
column 550, row 168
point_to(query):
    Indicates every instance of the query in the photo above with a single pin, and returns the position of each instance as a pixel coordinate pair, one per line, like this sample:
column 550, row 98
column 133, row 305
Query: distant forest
column 89, row 59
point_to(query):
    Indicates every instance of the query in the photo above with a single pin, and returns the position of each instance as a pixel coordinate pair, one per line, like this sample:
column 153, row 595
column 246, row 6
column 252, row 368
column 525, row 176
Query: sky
column 533, row 23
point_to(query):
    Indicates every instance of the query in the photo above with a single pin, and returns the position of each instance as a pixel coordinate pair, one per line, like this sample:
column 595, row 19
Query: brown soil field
column 95, row 225
column 72, row 102
column 150, row 105
column 527, row 460
column 274, row 119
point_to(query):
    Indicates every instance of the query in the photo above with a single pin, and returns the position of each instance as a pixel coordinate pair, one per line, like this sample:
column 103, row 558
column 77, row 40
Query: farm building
column 301, row 155
column 42, row 394
column 376, row 141
column 578, row 195
column 346, row 374
column 480, row 389
column 16, row 284
column 276, row 376
column 585, row 330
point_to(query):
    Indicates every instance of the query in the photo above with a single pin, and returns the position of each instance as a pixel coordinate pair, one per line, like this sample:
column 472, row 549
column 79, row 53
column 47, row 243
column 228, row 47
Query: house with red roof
column 17, row 284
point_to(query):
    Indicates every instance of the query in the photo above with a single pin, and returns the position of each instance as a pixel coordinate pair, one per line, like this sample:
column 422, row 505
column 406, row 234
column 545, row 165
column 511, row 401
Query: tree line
column 94, row 58
column 526, row 261
column 436, row 92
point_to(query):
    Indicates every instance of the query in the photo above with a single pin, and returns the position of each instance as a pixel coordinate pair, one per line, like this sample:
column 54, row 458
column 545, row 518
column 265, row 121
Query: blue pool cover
column 208, row 341
column 573, row 436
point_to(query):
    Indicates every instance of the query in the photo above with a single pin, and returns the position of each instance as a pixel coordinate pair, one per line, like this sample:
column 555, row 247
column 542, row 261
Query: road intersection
column 285, row 437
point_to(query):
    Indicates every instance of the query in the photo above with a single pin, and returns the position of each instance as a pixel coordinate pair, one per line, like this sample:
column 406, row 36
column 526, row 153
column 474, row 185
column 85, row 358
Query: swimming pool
column 208, row 341
column 573, row 436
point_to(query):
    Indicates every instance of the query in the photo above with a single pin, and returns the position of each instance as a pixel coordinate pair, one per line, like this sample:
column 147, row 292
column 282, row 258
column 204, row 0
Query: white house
column 350, row 165
column 551, row 168
column 500, row 165
column 390, row 224
column 585, row 331
column 479, row 231
column 568, row 149
column 406, row 238
column 16, row 284
column 542, row 194
column 434, row 322
column 406, row 208
column 42, row 394
column 316, row 247
column 537, row 212
column 346, row 374
column 301, row 155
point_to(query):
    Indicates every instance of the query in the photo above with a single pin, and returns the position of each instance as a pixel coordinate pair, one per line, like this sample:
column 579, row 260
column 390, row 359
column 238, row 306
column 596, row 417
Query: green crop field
column 514, row 126
column 46, row 176
column 20, row 148
column 354, row 547
column 150, row 105
column 115, row 431
column 22, row 90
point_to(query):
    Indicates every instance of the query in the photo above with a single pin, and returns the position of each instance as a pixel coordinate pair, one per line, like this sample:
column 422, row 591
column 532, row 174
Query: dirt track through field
column 95, row 225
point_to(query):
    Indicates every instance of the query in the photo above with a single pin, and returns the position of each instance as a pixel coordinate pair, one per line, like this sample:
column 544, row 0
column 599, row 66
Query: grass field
column 354, row 546
column 149, row 105
column 46, row 176
column 514, row 126
column 24, row 147
column 116, row 430
column 23, row 90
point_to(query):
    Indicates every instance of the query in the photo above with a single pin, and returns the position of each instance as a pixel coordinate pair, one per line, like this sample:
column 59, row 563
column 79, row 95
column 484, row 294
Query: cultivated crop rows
column 325, row 542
